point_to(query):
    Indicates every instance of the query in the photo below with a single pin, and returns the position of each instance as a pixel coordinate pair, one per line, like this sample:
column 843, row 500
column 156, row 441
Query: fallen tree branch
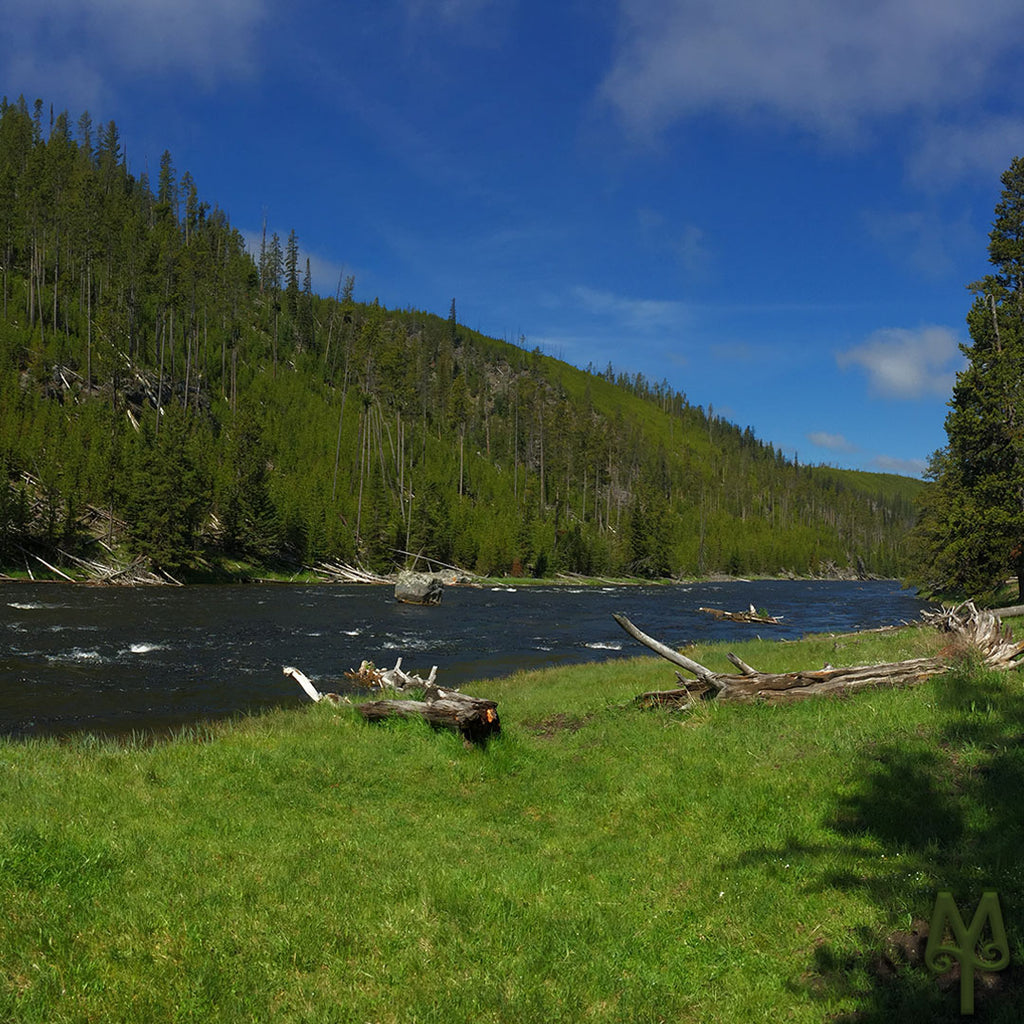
column 705, row 675
column 978, row 631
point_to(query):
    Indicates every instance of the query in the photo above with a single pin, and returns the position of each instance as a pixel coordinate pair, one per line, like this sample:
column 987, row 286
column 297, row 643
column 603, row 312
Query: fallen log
column 753, row 615
column 975, row 630
column 474, row 717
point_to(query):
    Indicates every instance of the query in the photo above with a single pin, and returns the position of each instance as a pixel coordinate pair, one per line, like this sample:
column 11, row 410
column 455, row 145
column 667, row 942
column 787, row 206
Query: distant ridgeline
column 164, row 394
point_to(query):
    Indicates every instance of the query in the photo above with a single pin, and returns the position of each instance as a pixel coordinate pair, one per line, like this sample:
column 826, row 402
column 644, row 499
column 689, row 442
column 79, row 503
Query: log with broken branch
column 751, row 615
column 976, row 630
column 475, row 718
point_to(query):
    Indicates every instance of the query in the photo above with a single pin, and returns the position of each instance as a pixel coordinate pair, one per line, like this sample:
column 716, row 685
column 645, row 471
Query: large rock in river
column 418, row 588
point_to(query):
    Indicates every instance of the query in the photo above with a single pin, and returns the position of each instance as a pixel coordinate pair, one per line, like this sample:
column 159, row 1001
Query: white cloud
column 57, row 45
column 823, row 64
column 909, row 364
column 833, row 442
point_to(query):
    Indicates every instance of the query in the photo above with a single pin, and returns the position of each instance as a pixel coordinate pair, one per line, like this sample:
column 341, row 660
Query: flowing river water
column 119, row 660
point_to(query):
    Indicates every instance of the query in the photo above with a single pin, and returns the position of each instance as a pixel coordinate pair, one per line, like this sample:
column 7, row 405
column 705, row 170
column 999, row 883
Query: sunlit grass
column 596, row 862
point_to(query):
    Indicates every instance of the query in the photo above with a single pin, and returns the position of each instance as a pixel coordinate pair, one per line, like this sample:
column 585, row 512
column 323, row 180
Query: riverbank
column 227, row 571
column 596, row 862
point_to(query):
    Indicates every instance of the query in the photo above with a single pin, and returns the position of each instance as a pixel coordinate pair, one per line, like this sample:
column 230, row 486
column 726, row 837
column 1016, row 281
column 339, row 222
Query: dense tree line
column 165, row 392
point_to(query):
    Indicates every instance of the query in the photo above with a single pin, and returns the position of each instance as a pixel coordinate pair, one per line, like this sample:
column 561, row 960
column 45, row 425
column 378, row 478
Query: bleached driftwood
column 475, row 718
column 974, row 629
column 371, row 677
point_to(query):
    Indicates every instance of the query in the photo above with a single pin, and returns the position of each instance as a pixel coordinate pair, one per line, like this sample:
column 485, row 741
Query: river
column 119, row 660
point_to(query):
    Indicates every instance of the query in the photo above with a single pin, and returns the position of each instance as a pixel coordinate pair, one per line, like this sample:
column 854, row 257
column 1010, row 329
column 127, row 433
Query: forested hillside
column 165, row 394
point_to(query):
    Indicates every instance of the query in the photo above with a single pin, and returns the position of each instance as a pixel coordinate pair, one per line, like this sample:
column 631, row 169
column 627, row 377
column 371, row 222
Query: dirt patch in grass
column 552, row 725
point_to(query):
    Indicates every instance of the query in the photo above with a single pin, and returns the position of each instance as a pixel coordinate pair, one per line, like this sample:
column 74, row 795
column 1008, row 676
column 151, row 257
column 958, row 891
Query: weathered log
column 1015, row 611
column 753, row 615
column 474, row 717
column 976, row 630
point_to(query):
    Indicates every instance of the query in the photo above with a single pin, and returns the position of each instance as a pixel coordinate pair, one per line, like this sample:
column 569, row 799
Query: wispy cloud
column 476, row 23
column 692, row 248
column 824, row 66
column 982, row 148
column 64, row 45
column 832, row 442
column 907, row 364
column 643, row 315
column 922, row 239
column 906, row 467
column 324, row 272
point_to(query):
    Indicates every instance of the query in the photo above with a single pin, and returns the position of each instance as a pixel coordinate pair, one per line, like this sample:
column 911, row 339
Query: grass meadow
column 596, row 862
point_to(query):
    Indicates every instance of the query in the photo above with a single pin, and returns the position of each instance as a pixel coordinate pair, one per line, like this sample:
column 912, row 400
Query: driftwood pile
column 973, row 629
column 474, row 718
column 339, row 572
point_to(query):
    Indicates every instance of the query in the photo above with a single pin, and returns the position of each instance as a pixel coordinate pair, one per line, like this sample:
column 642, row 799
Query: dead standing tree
column 974, row 629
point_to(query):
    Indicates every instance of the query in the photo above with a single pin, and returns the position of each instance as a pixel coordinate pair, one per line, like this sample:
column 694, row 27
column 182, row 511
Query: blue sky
column 775, row 206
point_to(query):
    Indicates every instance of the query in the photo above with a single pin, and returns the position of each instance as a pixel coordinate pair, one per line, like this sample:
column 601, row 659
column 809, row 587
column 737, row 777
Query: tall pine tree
column 972, row 525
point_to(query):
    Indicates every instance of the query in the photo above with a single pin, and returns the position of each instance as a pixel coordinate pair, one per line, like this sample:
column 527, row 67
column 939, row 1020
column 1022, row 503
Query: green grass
column 595, row 863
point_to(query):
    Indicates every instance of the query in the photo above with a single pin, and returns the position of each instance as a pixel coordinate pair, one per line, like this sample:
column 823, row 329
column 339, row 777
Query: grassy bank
column 595, row 863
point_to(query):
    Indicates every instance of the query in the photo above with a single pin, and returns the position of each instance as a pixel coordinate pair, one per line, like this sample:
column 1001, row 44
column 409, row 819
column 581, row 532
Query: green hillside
column 165, row 395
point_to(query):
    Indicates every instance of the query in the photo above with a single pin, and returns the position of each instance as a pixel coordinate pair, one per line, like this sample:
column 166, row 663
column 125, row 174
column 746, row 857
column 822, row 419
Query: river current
column 119, row 660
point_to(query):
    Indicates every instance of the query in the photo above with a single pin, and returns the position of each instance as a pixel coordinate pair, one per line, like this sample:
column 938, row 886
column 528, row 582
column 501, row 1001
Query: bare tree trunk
column 160, row 379
column 88, row 325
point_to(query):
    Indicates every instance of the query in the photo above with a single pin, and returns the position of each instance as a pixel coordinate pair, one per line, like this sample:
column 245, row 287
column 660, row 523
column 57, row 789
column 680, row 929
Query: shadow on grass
column 945, row 804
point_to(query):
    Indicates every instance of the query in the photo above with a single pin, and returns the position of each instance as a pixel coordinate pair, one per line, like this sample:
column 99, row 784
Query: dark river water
column 121, row 660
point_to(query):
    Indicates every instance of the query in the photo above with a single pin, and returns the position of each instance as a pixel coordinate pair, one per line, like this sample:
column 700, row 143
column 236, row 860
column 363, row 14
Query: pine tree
column 972, row 525
column 251, row 522
column 291, row 272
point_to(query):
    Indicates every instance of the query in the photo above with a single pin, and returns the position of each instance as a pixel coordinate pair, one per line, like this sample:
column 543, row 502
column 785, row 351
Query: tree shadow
column 946, row 806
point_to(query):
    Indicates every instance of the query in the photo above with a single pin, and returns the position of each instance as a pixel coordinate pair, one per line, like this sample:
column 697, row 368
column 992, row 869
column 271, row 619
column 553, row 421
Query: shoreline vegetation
column 233, row 571
column 596, row 861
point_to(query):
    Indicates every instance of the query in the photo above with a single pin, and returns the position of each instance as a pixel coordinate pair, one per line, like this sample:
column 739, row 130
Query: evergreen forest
column 168, row 396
